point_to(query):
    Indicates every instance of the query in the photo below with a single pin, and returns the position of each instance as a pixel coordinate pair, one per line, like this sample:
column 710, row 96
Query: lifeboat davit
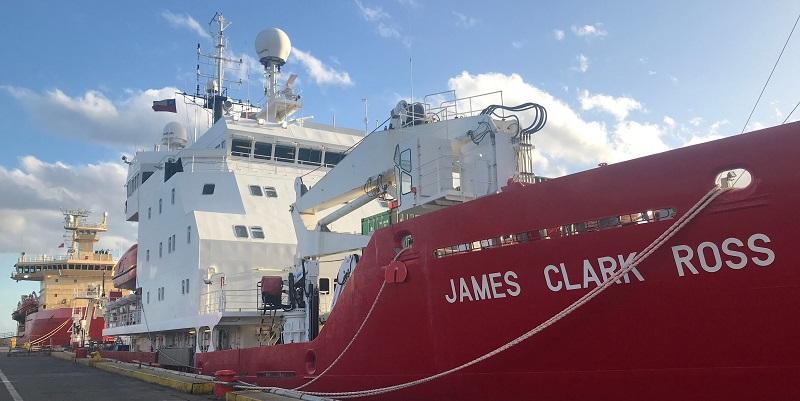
column 125, row 270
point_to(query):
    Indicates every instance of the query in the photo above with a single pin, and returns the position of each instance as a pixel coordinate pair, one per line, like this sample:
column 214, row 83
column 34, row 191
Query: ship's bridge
column 35, row 268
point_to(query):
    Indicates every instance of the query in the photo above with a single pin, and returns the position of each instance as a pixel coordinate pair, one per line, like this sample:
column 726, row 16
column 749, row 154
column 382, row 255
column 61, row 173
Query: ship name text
column 483, row 287
column 556, row 277
column 709, row 257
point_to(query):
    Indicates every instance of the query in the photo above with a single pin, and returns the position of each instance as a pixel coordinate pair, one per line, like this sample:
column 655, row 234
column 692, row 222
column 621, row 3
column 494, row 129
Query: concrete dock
column 40, row 377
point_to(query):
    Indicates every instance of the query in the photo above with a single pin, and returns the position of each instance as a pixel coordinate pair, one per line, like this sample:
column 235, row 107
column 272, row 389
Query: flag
column 62, row 245
column 165, row 105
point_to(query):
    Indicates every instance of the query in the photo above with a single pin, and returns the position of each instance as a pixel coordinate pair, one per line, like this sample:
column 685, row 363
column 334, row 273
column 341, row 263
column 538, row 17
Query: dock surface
column 40, row 377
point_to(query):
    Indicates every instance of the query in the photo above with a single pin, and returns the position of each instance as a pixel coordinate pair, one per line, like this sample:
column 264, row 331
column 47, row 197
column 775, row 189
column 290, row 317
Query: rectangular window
column 324, row 285
column 262, row 150
column 147, row 255
column 159, row 206
column 333, row 158
column 240, row 231
column 149, row 213
column 174, row 240
column 187, row 285
column 169, row 244
column 208, row 189
column 172, row 197
column 309, row 156
column 183, row 286
column 146, row 175
column 270, row 192
column 160, row 249
column 284, row 153
column 255, row 190
column 257, row 232
column 148, row 297
column 188, row 234
column 241, row 147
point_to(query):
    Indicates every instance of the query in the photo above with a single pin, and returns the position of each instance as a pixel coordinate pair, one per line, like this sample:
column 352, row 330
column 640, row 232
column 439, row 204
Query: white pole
column 366, row 117
column 411, row 68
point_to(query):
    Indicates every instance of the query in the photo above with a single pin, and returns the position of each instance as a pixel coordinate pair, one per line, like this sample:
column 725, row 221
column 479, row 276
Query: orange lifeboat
column 125, row 270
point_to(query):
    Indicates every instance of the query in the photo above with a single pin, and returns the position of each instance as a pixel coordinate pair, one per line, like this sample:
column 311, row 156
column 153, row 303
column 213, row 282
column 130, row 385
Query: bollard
column 227, row 376
column 81, row 352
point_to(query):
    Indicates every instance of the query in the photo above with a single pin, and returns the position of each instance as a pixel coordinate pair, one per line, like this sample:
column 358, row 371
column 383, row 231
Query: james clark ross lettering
column 706, row 257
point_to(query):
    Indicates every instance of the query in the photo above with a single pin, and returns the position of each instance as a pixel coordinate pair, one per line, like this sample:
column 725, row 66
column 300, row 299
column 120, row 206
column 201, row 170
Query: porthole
column 735, row 178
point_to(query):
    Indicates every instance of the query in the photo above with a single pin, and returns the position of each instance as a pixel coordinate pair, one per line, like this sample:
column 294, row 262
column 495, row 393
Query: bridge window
column 270, row 192
column 284, row 153
column 208, row 189
column 257, row 232
column 240, row 231
column 333, row 158
column 172, row 196
column 241, row 147
column 255, row 190
column 309, row 156
column 262, row 150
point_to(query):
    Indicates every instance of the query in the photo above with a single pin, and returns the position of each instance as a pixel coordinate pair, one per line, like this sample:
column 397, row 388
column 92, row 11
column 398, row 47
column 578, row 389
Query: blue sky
column 621, row 78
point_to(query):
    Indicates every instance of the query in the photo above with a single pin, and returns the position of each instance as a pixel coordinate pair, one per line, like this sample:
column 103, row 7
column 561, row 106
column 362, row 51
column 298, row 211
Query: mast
column 215, row 91
column 220, row 51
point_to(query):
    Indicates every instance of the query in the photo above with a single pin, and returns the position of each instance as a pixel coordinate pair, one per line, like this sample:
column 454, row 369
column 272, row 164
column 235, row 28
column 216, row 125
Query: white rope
column 363, row 323
column 640, row 257
column 352, row 340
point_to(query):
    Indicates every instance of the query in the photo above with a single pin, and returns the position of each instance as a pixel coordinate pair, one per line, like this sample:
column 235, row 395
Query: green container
column 376, row 222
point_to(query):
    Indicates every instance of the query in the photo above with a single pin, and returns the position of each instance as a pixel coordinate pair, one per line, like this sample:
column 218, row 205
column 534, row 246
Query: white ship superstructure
column 213, row 218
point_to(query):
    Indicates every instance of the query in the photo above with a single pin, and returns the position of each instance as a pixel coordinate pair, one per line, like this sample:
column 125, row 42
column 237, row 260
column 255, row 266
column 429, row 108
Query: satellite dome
column 174, row 135
column 273, row 46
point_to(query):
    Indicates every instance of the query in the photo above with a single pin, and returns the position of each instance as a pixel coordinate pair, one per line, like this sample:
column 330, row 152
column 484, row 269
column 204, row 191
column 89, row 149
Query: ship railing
column 124, row 312
column 439, row 108
column 217, row 301
column 121, row 317
column 86, row 294
column 94, row 257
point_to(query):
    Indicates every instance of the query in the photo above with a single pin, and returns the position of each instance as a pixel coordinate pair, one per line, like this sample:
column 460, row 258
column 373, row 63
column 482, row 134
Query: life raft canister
column 271, row 288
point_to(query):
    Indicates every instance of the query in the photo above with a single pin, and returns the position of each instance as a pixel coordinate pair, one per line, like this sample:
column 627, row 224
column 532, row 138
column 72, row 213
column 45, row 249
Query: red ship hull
column 52, row 327
column 725, row 328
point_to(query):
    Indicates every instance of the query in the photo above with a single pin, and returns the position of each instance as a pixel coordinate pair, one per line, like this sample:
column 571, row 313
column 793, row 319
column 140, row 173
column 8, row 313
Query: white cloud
column 518, row 44
column 619, row 107
column 696, row 121
column 715, row 126
column 409, row 3
column 34, row 191
column 384, row 24
column 568, row 142
column 185, row 21
column 583, row 63
column 464, row 20
column 321, row 73
column 695, row 139
column 673, row 79
column 589, row 30
column 558, row 34
column 651, row 72
column 129, row 121
column 669, row 121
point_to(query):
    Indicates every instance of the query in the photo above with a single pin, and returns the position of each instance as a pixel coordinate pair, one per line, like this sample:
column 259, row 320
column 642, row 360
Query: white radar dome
column 174, row 135
column 273, row 46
